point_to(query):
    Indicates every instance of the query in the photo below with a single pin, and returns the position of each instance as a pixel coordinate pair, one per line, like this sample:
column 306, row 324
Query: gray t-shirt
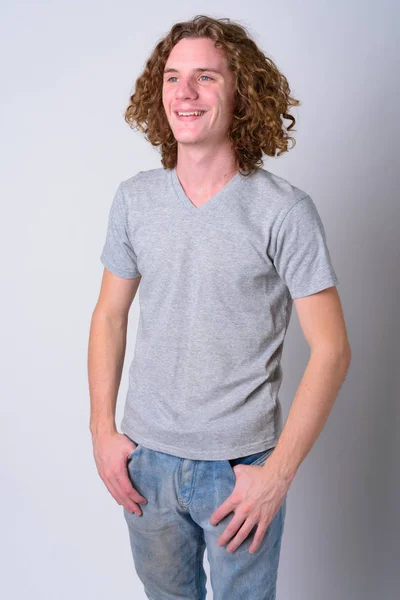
column 215, row 297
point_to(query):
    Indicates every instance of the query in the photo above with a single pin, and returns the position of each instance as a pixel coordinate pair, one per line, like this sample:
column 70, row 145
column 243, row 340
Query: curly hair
column 262, row 95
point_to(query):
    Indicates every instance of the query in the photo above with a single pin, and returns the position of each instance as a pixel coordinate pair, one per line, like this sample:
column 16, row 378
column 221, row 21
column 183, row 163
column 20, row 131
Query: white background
column 68, row 69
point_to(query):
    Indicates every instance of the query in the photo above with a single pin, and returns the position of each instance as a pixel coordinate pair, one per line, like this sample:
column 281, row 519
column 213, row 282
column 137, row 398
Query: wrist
column 281, row 469
column 100, row 429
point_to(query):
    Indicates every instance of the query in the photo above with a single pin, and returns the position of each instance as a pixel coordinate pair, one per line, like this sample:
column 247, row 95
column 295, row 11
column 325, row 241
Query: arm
column 107, row 344
column 106, row 352
column 322, row 322
column 261, row 489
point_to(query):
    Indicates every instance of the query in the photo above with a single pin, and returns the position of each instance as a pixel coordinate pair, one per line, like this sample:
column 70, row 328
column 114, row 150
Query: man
column 221, row 249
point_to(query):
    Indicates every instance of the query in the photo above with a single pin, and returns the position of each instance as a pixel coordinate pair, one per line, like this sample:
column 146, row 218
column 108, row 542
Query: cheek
column 166, row 100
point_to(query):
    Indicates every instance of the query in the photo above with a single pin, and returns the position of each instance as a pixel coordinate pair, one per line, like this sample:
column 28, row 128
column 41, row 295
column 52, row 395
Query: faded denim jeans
column 169, row 539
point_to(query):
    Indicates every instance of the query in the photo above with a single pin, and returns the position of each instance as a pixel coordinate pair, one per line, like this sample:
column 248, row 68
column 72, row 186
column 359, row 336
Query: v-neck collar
column 211, row 203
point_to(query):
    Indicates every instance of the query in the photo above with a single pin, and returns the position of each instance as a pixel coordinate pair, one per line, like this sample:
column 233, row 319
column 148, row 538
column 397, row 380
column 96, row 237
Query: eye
column 173, row 77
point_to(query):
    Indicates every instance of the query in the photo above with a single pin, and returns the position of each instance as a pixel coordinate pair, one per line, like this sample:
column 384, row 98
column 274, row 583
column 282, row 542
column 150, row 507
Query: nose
column 185, row 89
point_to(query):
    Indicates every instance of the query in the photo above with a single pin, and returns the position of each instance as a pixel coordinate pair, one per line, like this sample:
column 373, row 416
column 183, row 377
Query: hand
column 111, row 451
column 255, row 499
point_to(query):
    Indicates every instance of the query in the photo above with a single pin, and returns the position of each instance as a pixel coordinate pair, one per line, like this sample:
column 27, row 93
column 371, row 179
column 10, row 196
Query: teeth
column 188, row 114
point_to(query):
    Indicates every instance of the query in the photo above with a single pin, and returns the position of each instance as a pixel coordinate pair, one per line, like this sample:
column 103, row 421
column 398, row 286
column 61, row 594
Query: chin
column 185, row 137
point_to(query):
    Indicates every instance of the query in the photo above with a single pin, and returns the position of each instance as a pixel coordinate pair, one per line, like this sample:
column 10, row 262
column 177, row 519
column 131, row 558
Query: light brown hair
column 262, row 95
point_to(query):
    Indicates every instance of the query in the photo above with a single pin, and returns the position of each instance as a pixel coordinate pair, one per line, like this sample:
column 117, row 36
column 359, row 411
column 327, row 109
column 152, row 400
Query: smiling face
column 197, row 78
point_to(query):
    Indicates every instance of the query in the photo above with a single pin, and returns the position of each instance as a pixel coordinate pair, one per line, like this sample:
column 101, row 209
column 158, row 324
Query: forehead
column 200, row 52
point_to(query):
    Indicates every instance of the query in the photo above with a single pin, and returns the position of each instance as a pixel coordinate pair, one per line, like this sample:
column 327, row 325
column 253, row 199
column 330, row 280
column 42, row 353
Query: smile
column 189, row 116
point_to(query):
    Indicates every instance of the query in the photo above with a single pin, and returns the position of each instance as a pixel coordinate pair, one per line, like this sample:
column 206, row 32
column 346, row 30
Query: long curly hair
column 262, row 95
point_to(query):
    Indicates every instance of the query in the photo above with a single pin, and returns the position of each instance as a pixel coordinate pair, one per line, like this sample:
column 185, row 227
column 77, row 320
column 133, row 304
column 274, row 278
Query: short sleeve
column 118, row 255
column 302, row 258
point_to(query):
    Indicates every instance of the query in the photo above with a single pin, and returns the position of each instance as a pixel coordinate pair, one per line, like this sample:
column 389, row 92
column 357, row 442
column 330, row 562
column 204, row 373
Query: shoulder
column 152, row 178
column 142, row 190
column 280, row 193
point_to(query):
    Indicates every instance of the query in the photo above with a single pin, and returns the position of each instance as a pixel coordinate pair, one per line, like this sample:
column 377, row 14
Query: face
column 197, row 78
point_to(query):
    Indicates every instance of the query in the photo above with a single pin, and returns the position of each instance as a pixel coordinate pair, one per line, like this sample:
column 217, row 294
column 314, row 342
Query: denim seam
column 182, row 502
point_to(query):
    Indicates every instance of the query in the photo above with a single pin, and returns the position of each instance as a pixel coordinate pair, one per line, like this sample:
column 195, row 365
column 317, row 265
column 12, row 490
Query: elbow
column 338, row 353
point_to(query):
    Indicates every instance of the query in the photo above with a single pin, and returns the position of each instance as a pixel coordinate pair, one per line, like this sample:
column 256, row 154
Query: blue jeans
column 168, row 540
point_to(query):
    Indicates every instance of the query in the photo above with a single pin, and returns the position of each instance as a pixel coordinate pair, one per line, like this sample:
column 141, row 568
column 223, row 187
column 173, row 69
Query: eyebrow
column 198, row 70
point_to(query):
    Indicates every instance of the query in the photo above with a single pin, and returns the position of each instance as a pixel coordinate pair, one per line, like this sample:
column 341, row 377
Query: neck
column 205, row 172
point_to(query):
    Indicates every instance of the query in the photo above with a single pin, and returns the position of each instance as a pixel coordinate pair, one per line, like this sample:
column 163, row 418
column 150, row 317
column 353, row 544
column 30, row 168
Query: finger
column 125, row 482
column 129, row 500
column 226, row 507
column 258, row 538
column 125, row 500
column 127, row 491
column 242, row 534
column 231, row 529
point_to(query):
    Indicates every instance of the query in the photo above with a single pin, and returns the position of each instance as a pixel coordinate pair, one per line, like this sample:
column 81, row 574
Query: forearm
column 107, row 344
column 312, row 404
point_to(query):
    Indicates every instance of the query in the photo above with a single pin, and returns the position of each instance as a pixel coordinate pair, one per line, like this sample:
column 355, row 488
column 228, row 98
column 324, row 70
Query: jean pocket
column 258, row 458
column 133, row 451
column 261, row 460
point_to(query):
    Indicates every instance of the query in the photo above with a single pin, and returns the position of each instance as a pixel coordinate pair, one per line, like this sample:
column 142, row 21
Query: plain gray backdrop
column 68, row 69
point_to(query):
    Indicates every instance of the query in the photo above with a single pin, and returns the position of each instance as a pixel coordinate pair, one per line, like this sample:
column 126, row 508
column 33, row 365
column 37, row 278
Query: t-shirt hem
column 222, row 454
column 120, row 272
column 313, row 289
